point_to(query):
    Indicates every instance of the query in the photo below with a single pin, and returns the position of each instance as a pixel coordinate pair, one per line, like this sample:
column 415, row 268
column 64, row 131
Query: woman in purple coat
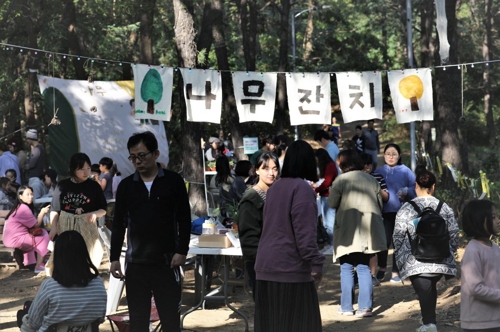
column 288, row 264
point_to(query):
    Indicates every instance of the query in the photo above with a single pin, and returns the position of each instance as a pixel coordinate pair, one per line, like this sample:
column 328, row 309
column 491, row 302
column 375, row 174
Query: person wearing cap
column 36, row 164
column 8, row 161
column 212, row 152
column 15, row 146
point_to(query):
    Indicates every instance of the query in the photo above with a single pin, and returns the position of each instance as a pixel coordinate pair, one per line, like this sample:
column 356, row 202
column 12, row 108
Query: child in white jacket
column 480, row 305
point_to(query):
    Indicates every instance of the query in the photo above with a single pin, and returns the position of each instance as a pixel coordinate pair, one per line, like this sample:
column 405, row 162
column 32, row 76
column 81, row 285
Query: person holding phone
column 19, row 221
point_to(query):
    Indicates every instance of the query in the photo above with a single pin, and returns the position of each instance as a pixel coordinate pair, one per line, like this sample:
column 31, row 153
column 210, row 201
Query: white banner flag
column 203, row 94
column 308, row 98
column 411, row 92
column 255, row 95
column 153, row 92
column 94, row 118
column 360, row 95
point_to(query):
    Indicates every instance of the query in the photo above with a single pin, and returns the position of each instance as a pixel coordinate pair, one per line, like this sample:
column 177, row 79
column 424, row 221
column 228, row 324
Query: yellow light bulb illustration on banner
column 412, row 88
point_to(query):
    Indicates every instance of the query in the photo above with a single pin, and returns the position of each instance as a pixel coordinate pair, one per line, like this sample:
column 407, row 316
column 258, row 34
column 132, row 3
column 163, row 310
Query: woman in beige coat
column 358, row 231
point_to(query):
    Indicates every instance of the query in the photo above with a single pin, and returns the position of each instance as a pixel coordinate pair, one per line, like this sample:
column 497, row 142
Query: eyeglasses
column 140, row 156
column 391, row 155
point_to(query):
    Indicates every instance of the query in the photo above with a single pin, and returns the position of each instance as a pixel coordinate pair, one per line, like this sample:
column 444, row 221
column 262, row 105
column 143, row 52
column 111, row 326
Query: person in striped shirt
column 75, row 295
column 368, row 161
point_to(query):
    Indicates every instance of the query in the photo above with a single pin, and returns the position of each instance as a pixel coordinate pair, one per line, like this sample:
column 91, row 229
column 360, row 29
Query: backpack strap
column 415, row 206
column 440, row 205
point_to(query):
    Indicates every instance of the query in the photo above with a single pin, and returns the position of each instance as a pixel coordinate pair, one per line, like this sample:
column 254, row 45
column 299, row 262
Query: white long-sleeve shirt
column 480, row 291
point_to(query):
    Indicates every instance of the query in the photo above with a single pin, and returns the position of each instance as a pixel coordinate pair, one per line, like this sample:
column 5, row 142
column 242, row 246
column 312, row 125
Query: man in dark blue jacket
column 152, row 205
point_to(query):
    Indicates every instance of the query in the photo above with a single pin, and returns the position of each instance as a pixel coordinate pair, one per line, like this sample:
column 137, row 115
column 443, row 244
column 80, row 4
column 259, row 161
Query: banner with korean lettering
column 360, row 95
column 153, row 92
column 411, row 92
column 203, row 94
column 255, row 95
column 308, row 98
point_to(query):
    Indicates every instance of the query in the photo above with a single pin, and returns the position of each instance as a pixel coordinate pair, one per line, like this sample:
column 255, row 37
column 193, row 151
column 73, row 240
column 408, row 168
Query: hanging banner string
column 92, row 60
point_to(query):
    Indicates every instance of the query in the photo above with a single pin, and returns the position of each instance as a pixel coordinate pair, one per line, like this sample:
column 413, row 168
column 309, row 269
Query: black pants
column 425, row 287
column 389, row 222
column 249, row 267
column 141, row 281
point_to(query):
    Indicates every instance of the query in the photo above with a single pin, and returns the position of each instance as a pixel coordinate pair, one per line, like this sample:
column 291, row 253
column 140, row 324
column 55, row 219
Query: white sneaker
column 327, row 250
column 427, row 328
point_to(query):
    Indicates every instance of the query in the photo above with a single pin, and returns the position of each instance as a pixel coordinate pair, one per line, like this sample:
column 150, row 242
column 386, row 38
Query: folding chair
column 94, row 327
column 122, row 322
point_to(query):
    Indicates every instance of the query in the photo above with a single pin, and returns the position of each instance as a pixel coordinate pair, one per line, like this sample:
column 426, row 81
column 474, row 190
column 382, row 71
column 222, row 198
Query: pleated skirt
column 88, row 230
column 286, row 307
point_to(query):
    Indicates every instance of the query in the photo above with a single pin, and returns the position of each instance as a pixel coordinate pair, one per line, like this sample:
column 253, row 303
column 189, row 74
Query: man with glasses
column 371, row 142
column 152, row 205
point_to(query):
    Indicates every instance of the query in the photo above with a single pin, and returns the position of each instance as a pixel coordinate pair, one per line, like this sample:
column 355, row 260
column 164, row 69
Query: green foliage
column 393, row 131
column 351, row 35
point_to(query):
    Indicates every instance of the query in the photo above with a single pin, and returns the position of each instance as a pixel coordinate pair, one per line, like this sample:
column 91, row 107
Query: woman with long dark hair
column 18, row 222
column 289, row 265
column 77, row 203
column 400, row 182
column 75, row 295
column 251, row 209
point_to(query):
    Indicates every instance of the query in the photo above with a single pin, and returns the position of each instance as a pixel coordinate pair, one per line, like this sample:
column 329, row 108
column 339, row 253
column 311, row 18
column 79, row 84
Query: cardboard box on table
column 213, row 241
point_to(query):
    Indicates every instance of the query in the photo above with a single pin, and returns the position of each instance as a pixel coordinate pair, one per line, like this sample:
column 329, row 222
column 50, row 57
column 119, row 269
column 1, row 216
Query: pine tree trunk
column 146, row 19
column 69, row 17
column 229, row 101
column 284, row 34
column 487, row 44
column 308, row 47
column 248, row 24
column 426, row 57
column 205, row 38
column 30, row 62
column 452, row 143
column 185, row 36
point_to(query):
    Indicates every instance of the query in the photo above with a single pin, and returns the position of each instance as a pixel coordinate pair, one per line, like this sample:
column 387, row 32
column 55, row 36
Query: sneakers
column 366, row 312
column 380, row 276
column 427, row 328
column 39, row 269
column 327, row 250
column 396, row 279
column 375, row 281
column 345, row 312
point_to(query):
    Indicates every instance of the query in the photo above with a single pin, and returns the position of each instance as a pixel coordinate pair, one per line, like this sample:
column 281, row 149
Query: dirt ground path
column 395, row 305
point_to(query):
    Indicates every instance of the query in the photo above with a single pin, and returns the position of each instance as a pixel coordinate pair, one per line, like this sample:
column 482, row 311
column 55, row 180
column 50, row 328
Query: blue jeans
column 365, row 296
column 328, row 215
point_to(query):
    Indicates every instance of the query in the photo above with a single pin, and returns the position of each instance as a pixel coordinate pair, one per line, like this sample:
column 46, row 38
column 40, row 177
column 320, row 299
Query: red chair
column 122, row 321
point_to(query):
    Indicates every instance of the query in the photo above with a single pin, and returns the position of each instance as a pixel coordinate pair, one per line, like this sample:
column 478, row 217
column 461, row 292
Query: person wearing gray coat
column 358, row 232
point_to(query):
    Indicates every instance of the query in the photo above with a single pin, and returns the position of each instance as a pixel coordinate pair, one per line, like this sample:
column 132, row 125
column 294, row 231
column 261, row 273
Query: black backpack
column 432, row 241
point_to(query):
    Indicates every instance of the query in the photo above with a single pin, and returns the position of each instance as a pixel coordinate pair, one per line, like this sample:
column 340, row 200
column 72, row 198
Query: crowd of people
column 279, row 194
column 80, row 196
column 366, row 208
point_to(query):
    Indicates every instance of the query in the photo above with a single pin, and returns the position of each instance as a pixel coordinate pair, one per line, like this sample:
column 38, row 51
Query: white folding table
column 226, row 253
